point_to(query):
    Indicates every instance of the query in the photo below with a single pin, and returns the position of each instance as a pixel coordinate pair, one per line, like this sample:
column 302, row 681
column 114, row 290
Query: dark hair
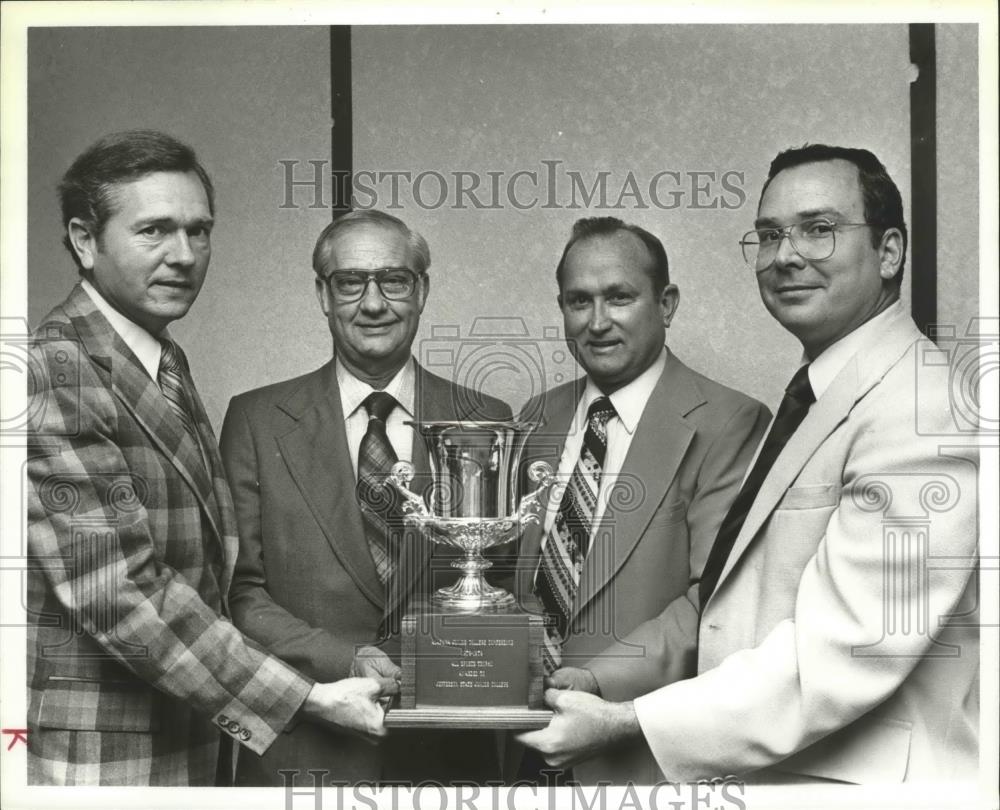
column 883, row 205
column 606, row 226
column 86, row 190
column 419, row 252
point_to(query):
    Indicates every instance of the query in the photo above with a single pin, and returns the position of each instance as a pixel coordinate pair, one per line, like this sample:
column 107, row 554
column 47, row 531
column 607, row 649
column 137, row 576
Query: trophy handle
column 539, row 472
column 400, row 476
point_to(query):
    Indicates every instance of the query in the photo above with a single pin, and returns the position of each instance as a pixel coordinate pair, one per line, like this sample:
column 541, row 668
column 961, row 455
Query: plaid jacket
column 133, row 669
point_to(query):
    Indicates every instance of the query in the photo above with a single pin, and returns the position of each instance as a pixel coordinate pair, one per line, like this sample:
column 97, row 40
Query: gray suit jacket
column 684, row 467
column 305, row 585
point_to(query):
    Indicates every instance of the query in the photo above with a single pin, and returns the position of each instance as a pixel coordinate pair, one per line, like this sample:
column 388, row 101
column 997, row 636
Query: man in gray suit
column 653, row 454
column 323, row 570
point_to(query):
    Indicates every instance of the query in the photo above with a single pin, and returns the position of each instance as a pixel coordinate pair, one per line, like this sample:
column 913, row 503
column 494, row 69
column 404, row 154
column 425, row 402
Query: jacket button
column 245, row 734
column 234, row 726
column 222, row 720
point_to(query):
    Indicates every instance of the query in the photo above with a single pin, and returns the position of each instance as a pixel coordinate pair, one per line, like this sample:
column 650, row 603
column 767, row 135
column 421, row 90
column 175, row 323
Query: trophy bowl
column 472, row 506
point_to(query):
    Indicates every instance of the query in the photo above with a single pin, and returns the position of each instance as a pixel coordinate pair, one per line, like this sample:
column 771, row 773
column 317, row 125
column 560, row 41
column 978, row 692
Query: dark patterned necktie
column 568, row 540
column 375, row 459
column 793, row 409
column 171, row 378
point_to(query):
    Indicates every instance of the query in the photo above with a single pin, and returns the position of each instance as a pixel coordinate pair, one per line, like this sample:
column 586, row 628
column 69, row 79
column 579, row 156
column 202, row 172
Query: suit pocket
column 80, row 704
column 811, row 496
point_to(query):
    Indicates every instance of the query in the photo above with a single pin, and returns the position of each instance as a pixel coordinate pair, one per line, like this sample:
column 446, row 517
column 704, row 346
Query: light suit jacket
column 841, row 640
column 133, row 669
column 306, row 586
column 684, row 466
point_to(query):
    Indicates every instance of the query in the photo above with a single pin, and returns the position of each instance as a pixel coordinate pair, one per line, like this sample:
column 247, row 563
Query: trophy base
column 471, row 670
column 471, row 717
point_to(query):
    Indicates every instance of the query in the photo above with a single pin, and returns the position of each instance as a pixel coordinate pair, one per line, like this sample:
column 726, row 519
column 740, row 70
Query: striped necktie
column 171, row 378
column 375, row 459
column 568, row 541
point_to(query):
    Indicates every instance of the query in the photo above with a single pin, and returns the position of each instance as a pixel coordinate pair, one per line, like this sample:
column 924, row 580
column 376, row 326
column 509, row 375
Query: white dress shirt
column 143, row 345
column 824, row 369
column 831, row 362
column 353, row 393
column 629, row 401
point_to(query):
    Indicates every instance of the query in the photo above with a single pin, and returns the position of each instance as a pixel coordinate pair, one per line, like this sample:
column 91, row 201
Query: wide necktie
column 375, row 459
column 793, row 409
column 568, row 540
column 171, row 378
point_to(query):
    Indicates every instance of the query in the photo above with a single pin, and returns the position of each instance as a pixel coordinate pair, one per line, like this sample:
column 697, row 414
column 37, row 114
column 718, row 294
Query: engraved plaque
column 471, row 670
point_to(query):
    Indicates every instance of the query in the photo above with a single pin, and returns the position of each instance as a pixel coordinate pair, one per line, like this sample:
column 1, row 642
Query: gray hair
column 418, row 249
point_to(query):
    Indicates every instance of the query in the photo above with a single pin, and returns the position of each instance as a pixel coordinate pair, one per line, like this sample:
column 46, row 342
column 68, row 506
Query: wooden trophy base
column 471, row 670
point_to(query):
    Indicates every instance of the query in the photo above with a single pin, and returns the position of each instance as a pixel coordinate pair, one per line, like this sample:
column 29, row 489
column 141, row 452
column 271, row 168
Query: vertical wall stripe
column 923, row 171
column 341, row 123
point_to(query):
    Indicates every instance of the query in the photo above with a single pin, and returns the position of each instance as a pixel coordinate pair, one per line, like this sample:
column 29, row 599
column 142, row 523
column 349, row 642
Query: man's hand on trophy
column 371, row 662
column 575, row 678
column 582, row 726
column 351, row 705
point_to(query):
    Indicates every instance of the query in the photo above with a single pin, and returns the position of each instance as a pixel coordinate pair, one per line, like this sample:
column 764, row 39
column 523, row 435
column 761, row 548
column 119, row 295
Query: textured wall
column 244, row 98
column 640, row 98
column 644, row 99
column 958, row 175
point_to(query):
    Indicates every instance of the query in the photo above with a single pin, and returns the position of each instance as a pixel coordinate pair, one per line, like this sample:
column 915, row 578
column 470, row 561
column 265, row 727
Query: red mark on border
column 18, row 735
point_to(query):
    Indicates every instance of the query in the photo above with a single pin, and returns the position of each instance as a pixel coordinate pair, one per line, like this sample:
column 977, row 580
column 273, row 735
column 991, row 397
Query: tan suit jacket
column 684, row 466
column 841, row 641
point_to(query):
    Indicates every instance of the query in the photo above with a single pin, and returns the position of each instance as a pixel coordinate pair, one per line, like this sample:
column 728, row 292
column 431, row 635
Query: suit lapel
column 861, row 373
column 546, row 443
column 222, row 501
column 319, row 461
column 141, row 396
column 655, row 453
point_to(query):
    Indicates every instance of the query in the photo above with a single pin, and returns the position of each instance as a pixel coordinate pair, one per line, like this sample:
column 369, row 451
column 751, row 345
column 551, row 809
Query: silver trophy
column 474, row 467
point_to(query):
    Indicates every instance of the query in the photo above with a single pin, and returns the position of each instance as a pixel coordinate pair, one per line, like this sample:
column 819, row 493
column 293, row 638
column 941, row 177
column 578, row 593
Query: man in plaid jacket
column 133, row 666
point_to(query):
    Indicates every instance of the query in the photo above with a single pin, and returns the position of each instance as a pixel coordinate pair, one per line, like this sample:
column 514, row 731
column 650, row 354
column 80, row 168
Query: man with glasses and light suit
column 838, row 637
column 325, row 567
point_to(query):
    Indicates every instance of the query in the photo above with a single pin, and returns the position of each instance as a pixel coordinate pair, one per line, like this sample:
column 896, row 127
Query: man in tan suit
column 646, row 491
column 838, row 636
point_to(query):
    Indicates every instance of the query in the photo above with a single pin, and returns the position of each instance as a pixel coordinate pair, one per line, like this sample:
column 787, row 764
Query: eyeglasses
column 813, row 239
column 395, row 283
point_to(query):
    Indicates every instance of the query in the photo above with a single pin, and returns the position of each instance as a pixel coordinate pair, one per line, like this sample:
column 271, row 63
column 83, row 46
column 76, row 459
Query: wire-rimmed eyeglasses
column 813, row 239
column 395, row 283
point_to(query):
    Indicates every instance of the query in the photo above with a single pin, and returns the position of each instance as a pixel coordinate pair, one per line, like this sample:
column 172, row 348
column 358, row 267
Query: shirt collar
column 354, row 391
column 629, row 400
column 143, row 345
column 829, row 364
